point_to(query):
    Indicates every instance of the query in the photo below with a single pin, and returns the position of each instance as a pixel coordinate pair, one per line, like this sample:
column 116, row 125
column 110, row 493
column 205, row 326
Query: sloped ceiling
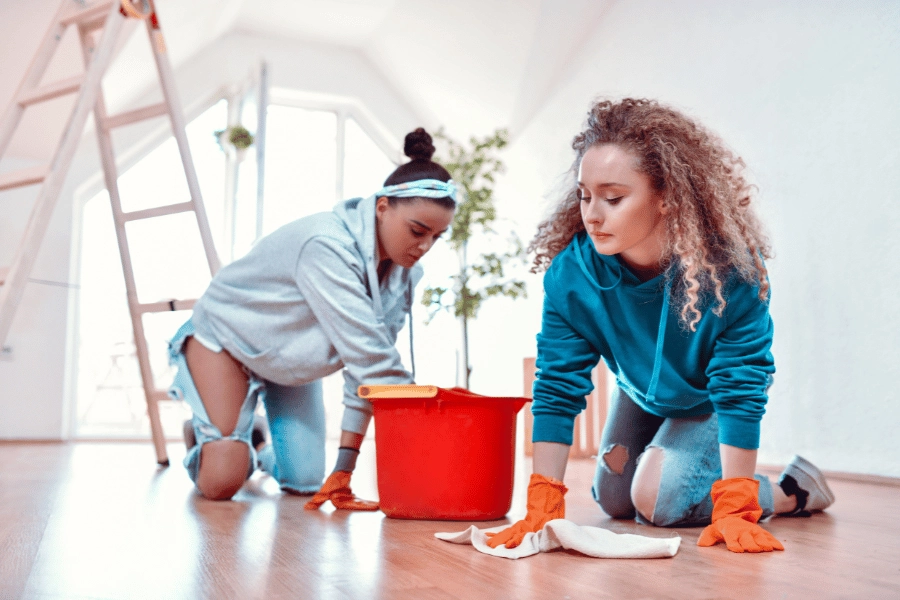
column 469, row 65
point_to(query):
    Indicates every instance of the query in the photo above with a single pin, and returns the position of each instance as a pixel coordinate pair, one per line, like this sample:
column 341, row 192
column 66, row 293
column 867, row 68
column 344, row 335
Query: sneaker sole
column 815, row 475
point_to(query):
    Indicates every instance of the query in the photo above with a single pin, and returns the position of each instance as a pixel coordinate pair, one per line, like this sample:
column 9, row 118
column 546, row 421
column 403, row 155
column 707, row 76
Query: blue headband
column 421, row 188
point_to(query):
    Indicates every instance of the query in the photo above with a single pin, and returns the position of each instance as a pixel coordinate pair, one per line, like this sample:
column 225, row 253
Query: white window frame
column 344, row 107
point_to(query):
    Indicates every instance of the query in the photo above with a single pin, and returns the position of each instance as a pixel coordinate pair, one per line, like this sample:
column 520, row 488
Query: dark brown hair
column 418, row 146
column 711, row 227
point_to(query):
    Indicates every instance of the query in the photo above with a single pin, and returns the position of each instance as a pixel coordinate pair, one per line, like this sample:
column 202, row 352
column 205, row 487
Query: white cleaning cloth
column 560, row 533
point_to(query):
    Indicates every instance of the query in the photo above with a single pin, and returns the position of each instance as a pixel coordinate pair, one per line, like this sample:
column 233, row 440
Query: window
column 365, row 166
column 300, row 164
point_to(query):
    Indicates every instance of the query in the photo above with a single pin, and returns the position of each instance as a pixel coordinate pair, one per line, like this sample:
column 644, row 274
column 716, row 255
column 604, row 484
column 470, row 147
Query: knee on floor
column 223, row 468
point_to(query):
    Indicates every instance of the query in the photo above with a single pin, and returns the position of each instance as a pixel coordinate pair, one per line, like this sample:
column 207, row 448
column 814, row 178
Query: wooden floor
column 100, row 520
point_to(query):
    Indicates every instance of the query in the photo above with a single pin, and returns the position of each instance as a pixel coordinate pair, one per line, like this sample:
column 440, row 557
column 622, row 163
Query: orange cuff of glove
column 546, row 501
column 737, row 497
column 546, row 495
column 337, row 489
column 736, row 512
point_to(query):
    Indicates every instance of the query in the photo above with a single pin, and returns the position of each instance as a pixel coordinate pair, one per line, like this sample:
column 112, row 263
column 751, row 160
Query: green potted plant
column 236, row 138
column 474, row 168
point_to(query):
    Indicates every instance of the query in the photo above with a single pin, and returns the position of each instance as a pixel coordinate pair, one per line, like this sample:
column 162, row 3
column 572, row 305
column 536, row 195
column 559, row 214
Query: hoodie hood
column 358, row 216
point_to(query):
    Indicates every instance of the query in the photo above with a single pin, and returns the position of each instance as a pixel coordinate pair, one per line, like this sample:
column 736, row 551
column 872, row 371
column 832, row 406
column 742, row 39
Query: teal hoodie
column 306, row 302
column 596, row 307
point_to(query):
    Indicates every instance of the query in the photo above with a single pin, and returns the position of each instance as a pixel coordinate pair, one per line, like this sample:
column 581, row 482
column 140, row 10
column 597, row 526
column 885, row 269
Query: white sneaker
column 805, row 481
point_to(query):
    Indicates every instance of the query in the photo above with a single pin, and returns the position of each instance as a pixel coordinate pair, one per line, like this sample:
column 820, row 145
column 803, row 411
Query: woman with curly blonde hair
column 654, row 262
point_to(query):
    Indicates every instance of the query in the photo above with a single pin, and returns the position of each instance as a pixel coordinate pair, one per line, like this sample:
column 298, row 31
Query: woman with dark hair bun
column 419, row 148
column 326, row 292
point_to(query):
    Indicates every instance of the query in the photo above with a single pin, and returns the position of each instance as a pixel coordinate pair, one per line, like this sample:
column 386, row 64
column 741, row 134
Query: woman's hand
column 337, row 489
column 545, row 495
column 736, row 512
column 736, row 509
column 545, row 502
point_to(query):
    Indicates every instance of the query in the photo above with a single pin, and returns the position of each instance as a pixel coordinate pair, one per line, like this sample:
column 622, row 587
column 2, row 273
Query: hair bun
column 417, row 145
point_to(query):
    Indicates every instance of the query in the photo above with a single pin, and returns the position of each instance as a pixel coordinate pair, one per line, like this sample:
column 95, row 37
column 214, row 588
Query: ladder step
column 80, row 14
column 160, row 395
column 166, row 306
column 158, row 211
column 51, row 90
column 23, row 177
column 138, row 114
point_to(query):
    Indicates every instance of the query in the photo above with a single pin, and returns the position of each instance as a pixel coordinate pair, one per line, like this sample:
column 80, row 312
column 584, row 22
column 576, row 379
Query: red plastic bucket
column 444, row 454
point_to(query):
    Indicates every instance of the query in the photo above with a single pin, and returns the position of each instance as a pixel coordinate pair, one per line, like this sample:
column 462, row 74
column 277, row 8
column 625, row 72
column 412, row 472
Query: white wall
column 32, row 373
column 807, row 93
column 34, row 395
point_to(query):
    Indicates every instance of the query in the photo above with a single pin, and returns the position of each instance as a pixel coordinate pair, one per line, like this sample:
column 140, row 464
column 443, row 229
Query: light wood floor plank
column 101, row 521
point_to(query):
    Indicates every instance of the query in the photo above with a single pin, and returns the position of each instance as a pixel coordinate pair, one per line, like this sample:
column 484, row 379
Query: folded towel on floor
column 560, row 533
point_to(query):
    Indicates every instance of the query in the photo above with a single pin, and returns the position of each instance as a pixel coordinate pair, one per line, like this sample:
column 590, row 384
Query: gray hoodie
column 305, row 302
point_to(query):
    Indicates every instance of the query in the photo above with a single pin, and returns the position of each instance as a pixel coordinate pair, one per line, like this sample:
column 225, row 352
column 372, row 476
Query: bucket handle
column 397, row 391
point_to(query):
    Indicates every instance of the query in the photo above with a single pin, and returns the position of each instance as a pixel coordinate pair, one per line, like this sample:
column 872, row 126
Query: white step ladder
column 103, row 17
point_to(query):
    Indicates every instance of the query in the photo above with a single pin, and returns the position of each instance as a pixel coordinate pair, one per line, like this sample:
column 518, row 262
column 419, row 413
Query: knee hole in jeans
column 647, row 479
column 615, row 458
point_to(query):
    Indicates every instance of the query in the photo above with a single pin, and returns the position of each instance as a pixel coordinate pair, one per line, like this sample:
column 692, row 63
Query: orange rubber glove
column 545, row 502
column 736, row 511
column 337, row 489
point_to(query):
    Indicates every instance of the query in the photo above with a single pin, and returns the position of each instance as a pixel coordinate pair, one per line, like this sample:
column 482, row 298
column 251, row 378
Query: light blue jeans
column 296, row 415
column 691, row 464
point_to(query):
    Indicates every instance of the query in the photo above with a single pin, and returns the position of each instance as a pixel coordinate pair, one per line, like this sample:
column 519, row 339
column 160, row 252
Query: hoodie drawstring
column 412, row 352
column 590, row 277
column 374, row 289
column 660, row 341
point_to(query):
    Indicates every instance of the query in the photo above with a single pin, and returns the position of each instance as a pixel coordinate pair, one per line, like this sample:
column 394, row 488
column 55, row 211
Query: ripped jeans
column 691, row 464
column 296, row 415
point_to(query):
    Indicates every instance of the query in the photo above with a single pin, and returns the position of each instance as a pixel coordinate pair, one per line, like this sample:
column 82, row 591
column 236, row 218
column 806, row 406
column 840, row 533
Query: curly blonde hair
column 711, row 227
